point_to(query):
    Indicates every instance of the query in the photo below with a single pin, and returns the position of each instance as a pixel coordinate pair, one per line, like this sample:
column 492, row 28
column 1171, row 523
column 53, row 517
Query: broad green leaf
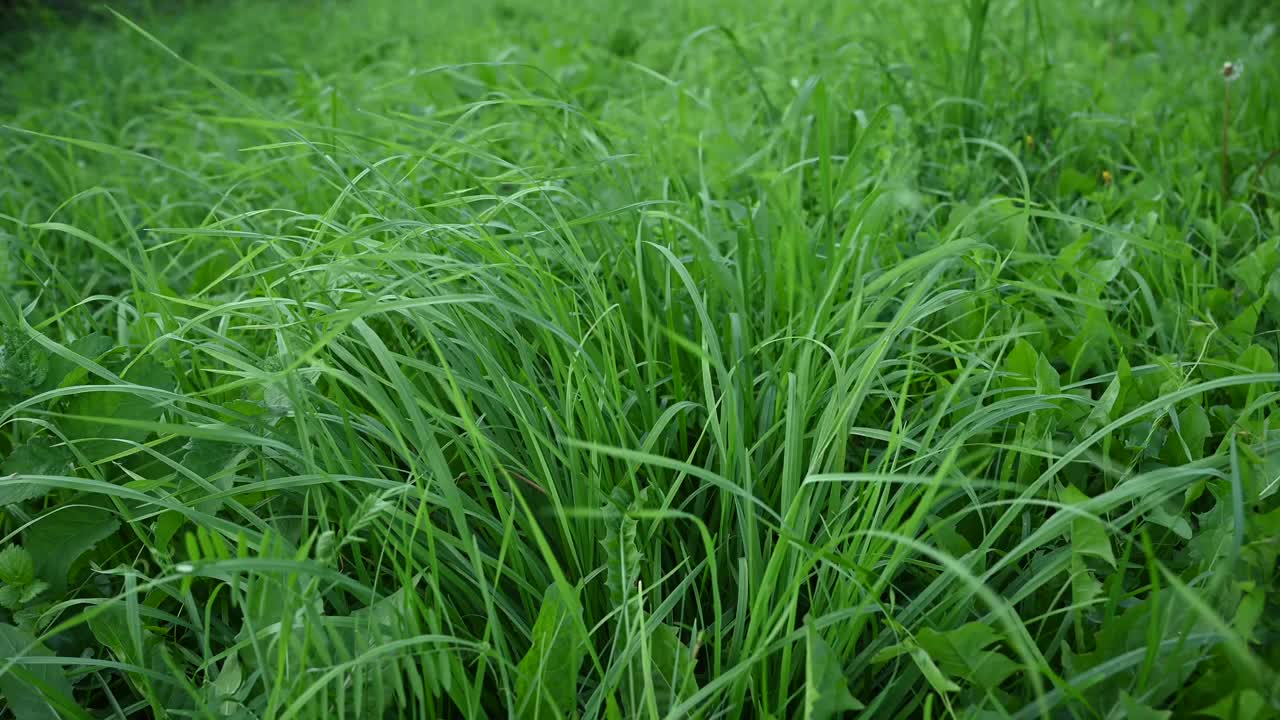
column 23, row 363
column 229, row 678
column 110, row 626
column 1135, row 709
column 37, row 457
column 884, row 655
column 1213, row 538
column 1090, row 343
column 931, row 672
column 547, row 676
column 212, row 461
column 670, row 669
column 1088, row 534
column 1239, row 705
column 1002, row 223
column 1072, row 181
column 1255, row 269
column 16, row 566
column 60, row 537
column 1258, row 360
column 90, row 413
column 943, row 534
column 1250, row 611
column 1084, row 586
column 31, row 692
column 1242, row 325
column 131, row 643
column 61, row 369
column 167, row 524
column 1193, row 429
column 1022, row 363
column 826, row 688
column 1047, row 380
column 18, row 583
column 1164, row 517
column 1101, row 413
column 959, row 653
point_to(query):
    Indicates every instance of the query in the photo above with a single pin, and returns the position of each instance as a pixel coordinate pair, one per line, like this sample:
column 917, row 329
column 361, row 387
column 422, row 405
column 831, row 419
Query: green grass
column 684, row 359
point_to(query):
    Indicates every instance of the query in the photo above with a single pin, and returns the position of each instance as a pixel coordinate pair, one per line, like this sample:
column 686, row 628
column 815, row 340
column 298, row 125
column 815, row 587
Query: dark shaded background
column 20, row 15
column 23, row 22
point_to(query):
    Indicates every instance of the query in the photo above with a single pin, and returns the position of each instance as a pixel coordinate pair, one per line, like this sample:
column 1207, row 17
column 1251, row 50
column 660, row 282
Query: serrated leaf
column 547, row 676
column 17, row 567
column 1088, row 534
column 31, row 591
column 23, row 363
column 622, row 553
column 1135, row 709
column 27, row 689
column 952, row 646
column 826, row 688
column 59, row 538
column 960, row 653
column 37, row 457
column 18, row 583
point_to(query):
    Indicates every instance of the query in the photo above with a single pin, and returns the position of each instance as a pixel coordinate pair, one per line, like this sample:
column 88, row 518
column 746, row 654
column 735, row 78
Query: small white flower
column 184, row 567
column 1231, row 71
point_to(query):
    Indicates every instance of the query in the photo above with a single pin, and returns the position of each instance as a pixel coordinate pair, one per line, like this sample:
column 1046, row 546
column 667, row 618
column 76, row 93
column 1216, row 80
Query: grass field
column 680, row 359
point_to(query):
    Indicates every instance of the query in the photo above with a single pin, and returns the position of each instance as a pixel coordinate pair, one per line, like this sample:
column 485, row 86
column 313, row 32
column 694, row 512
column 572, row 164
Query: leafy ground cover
column 715, row 360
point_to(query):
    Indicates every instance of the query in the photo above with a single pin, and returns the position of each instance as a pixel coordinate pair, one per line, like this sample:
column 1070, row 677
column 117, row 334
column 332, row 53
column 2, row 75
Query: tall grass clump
column 685, row 360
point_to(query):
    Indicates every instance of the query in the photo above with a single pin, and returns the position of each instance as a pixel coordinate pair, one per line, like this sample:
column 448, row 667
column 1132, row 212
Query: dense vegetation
column 683, row 359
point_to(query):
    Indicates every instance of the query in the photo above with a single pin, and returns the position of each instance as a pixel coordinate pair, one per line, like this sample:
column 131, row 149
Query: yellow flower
column 1030, row 141
column 1106, row 177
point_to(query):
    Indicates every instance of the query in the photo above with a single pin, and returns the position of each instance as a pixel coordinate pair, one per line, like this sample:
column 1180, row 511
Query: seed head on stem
column 1231, row 72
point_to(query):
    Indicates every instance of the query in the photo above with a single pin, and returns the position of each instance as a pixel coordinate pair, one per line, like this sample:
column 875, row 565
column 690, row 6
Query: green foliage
column 547, row 676
column 37, row 691
column 23, row 364
column 708, row 360
column 826, row 689
column 38, row 456
column 961, row 653
column 18, row 583
column 59, row 538
column 622, row 565
column 99, row 417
